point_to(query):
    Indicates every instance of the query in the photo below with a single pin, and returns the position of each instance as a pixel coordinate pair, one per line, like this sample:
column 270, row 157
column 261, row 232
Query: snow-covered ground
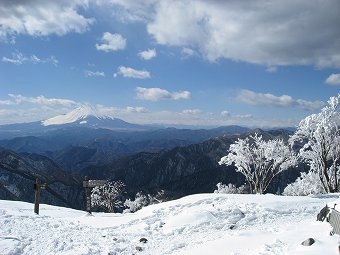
column 198, row 224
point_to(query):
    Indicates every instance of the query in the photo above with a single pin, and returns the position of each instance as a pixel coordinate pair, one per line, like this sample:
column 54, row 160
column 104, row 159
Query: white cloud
column 225, row 113
column 111, row 42
column 156, row 94
column 333, row 79
column 7, row 102
column 204, row 119
column 187, row 52
column 136, row 109
column 35, row 59
column 266, row 99
column 309, row 105
column 271, row 69
column 18, row 59
column 129, row 72
column 42, row 18
column 52, row 60
column 30, row 113
column 253, row 98
column 19, row 108
column 237, row 116
column 244, row 116
column 130, row 10
column 192, row 111
column 263, row 32
column 40, row 100
column 92, row 74
column 147, row 54
column 200, row 118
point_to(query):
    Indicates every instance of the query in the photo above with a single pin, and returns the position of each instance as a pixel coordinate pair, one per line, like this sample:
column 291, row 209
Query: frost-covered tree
column 107, row 196
column 259, row 160
column 308, row 184
column 320, row 133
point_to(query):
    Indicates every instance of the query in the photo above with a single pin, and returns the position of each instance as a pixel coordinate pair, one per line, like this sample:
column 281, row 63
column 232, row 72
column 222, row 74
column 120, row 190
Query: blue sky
column 199, row 63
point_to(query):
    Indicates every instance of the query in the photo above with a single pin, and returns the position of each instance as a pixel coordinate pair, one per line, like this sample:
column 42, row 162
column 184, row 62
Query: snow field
column 197, row 224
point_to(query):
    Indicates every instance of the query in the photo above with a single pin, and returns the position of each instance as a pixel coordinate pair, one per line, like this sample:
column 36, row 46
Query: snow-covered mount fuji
column 83, row 117
column 80, row 115
column 89, row 116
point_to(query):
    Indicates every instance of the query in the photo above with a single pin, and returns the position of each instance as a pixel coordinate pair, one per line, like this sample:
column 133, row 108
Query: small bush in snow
column 307, row 184
column 230, row 189
column 108, row 196
column 142, row 200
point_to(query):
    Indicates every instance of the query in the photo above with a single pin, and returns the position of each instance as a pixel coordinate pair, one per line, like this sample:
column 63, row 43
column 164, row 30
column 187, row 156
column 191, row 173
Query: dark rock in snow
column 138, row 248
column 308, row 242
column 323, row 213
column 232, row 227
column 143, row 240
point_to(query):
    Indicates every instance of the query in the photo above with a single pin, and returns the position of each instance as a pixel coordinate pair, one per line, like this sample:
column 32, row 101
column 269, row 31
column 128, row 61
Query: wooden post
column 37, row 195
column 87, row 195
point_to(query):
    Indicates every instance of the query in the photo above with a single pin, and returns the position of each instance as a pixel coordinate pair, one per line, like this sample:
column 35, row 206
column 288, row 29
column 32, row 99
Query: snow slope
column 197, row 224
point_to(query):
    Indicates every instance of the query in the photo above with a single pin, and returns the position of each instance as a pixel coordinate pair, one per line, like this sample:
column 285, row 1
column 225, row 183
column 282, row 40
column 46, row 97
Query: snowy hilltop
column 80, row 114
column 197, row 224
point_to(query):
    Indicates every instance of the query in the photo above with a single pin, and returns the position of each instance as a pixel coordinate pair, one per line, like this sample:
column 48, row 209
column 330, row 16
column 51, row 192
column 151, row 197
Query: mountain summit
column 90, row 117
column 80, row 115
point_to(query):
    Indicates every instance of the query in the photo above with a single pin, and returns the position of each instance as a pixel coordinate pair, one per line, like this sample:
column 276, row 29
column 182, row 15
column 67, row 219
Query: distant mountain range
column 186, row 170
column 101, row 146
column 85, row 137
column 63, row 149
column 179, row 171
